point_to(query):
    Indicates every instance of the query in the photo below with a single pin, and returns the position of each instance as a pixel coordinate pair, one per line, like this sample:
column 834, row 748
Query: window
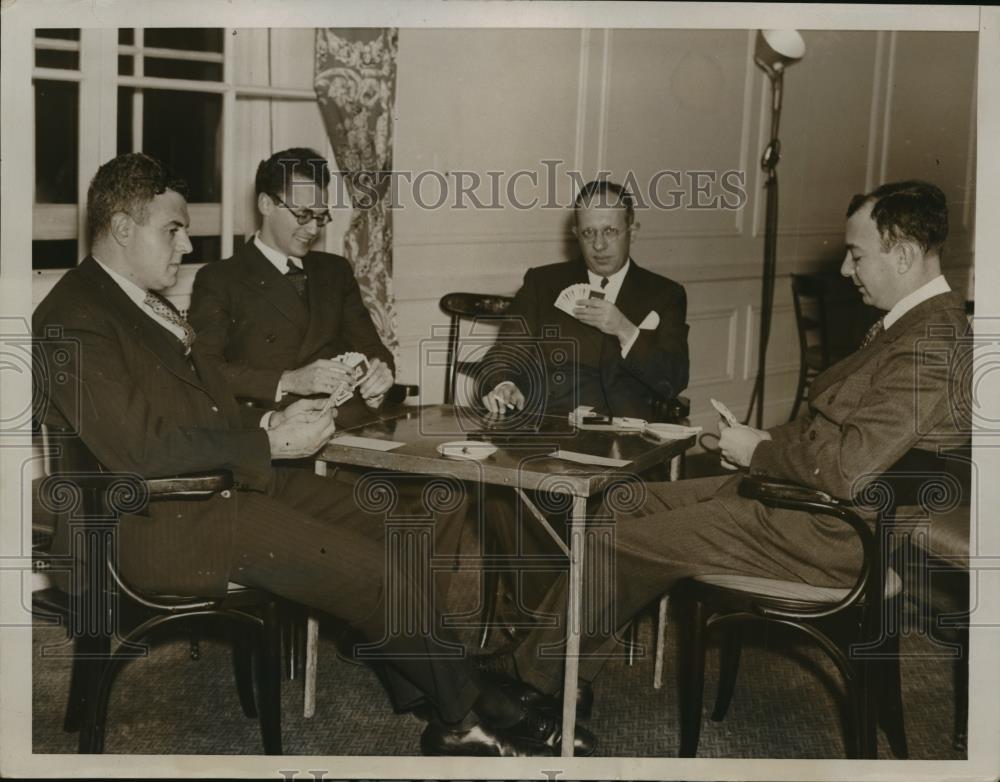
column 173, row 94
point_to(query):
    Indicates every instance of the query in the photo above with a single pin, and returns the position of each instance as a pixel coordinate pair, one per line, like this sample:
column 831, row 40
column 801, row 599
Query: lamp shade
column 777, row 49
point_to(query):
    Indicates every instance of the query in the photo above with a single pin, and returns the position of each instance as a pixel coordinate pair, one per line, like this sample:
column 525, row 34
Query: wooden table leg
column 312, row 643
column 578, row 545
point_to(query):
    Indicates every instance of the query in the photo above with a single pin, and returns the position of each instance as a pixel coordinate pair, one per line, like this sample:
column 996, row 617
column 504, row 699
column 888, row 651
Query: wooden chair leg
column 890, row 698
column 312, row 659
column 90, row 654
column 269, row 680
column 243, row 670
column 729, row 663
column 661, row 631
column 692, row 672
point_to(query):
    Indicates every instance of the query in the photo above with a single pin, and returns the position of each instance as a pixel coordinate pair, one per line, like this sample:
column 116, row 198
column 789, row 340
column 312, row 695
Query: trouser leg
column 309, row 542
column 675, row 531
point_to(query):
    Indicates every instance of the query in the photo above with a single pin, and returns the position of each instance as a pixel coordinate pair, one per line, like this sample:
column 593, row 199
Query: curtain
column 355, row 85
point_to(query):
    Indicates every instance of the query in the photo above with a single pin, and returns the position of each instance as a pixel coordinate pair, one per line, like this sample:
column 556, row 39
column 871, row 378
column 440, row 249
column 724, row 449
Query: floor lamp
column 775, row 51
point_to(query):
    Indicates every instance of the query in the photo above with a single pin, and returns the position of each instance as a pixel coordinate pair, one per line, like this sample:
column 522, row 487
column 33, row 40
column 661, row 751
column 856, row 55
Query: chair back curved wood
column 109, row 621
column 466, row 306
column 858, row 628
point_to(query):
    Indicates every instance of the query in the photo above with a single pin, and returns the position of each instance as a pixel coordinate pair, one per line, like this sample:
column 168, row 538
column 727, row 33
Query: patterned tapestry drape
column 355, row 86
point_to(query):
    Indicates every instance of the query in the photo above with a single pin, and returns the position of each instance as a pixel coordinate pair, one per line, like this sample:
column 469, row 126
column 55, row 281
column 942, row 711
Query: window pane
column 125, row 119
column 53, row 254
column 182, row 129
column 56, row 134
column 65, row 34
column 195, row 40
column 183, row 69
column 205, row 248
column 125, row 65
column 54, row 58
column 126, row 35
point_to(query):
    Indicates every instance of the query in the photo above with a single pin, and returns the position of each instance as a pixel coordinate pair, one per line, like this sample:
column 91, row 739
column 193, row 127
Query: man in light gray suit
column 864, row 413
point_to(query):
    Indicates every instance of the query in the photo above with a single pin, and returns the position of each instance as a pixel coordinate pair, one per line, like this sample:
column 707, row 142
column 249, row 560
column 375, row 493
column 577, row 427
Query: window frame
column 98, row 116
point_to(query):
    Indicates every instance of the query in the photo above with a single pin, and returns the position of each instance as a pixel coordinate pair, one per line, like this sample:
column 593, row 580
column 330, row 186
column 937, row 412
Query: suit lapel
column 261, row 276
column 157, row 340
column 859, row 358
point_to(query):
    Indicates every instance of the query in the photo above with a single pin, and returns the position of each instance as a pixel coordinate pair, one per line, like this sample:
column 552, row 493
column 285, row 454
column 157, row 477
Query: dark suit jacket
column 564, row 363
column 141, row 406
column 253, row 325
column 903, row 391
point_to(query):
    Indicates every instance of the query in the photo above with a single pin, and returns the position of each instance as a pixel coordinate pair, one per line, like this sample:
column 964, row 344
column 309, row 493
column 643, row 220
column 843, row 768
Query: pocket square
column 651, row 321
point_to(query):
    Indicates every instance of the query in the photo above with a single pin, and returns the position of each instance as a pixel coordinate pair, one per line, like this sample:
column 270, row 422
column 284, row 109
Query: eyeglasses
column 304, row 216
column 610, row 233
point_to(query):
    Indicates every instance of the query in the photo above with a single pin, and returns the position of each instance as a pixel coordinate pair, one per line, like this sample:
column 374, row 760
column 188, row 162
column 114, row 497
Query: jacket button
column 215, row 409
column 270, row 337
column 225, row 494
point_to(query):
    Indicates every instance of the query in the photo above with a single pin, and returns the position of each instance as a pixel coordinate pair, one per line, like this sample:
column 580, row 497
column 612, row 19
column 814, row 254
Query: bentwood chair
column 813, row 296
column 847, row 624
column 472, row 307
column 109, row 622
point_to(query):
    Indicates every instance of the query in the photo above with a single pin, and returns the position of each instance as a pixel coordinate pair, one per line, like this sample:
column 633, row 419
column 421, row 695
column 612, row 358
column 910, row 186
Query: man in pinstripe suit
column 151, row 404
column 864, row 414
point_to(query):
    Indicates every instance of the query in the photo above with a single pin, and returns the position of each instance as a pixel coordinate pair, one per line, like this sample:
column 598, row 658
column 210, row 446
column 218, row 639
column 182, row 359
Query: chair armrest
column 775, row 491
column 795, row 496
column 195, row 485
column 671, row 411
column 125, row 492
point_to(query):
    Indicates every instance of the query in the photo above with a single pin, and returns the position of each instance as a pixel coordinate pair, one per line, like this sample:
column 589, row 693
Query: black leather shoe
column 543, row 728
column 550, row 704
column 480, row 741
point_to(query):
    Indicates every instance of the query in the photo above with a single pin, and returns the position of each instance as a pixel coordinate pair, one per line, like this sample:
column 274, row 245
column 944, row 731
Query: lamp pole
column 776, row 49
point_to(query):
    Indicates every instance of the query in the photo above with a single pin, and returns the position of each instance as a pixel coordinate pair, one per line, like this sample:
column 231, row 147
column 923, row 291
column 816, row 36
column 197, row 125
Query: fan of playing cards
column 569, row 296
column 359, row 363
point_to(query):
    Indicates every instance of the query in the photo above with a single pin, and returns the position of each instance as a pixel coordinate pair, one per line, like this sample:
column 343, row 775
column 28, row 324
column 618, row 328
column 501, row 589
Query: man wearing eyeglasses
column 276, row 314
column 621, row 347
column 627, row 338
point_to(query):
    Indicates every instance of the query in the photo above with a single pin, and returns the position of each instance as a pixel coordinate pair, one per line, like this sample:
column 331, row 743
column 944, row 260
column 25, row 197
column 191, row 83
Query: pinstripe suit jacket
column 141, row 406
column 903, row 391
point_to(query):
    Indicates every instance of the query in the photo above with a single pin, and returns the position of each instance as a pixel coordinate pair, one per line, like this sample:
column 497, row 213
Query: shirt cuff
column 279, row 392
column 629, row 343
column 265, row 420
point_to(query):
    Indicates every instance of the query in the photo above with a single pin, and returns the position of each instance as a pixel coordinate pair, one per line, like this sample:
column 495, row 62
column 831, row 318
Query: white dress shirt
column 933, row 288
column 611, row 291
column 138, row 295
column 277, row 259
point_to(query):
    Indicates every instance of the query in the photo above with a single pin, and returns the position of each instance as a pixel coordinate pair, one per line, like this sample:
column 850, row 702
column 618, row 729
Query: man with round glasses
column 276, row 314
column 627, row 335
column 619, row 345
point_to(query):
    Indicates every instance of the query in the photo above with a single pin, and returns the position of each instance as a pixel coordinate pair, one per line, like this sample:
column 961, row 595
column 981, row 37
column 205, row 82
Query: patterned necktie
column 165, row 310
column 876, row 328
column 604, row 283
column 298, row 278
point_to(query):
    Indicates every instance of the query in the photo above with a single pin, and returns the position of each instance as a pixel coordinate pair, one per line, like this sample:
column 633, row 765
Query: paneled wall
column 861, row 108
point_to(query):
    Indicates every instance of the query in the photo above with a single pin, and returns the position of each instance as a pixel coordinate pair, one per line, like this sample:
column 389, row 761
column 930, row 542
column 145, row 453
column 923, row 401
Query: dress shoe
column 540, row 727
column 480, row 741
column 550, row 704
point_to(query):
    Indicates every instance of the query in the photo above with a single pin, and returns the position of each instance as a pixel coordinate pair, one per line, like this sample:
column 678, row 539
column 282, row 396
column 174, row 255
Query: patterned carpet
column 785, row 706
column 786, row 703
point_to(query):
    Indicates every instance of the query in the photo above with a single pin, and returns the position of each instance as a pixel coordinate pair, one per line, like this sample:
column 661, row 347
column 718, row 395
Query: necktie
column 298, row 278
column 876, row 328
column 604, row 283
column 165, row 310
